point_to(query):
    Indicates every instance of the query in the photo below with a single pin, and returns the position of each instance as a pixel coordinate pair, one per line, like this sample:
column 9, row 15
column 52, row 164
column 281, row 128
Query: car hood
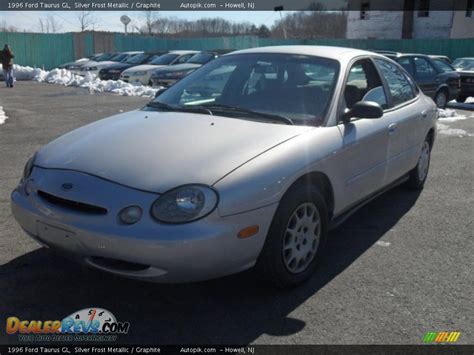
column 156, row 151
column 142, row 67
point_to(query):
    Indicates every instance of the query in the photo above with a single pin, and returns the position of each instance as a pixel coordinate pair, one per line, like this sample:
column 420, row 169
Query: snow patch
column 89, row 81
column 382, row 243
column 456, row 132
column 449, row 115
column 95, row 85
column 3, row 116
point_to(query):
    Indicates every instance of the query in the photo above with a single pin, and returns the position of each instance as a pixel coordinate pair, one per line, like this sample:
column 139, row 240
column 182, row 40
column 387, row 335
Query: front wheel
column 296, row 238
column 420, row 172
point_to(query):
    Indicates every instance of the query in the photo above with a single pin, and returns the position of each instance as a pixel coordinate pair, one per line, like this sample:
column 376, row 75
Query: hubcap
column 424, row 161
column 441, row 100
column 302, row 237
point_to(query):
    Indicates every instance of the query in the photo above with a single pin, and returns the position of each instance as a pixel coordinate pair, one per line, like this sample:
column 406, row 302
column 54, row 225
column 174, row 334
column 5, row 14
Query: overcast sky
column 110, row 20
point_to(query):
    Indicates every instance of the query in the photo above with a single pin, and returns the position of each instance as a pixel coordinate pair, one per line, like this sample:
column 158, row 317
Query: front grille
column 118, row 265
column 72, row 205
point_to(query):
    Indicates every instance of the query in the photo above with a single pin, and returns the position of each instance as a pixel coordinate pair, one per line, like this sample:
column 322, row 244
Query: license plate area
column 55, row 236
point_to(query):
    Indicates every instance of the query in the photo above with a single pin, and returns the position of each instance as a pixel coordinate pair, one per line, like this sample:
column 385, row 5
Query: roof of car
column 181, row 52
column 320, row 51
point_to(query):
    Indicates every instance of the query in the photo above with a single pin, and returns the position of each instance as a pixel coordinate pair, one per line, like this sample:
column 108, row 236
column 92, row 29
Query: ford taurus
column 247, row 162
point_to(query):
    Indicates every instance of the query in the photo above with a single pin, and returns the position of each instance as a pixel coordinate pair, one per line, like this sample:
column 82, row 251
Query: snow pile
column 22, row 73
column 456, row 132
column 449, row 115
column 89, row 81
column 3, row 116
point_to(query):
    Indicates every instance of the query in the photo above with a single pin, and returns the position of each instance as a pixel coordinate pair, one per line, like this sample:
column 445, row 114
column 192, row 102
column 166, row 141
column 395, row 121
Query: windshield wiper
column 166, row 107
column 237, row 109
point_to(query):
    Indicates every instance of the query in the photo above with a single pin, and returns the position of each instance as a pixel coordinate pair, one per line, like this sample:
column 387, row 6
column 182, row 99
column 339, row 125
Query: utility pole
column 280, row 9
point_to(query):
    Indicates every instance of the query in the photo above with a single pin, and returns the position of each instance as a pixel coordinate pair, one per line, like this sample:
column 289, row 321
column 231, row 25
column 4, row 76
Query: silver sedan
column 247, row 162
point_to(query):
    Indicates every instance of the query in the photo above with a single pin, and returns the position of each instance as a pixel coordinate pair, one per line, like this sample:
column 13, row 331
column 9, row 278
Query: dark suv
column 435, row 77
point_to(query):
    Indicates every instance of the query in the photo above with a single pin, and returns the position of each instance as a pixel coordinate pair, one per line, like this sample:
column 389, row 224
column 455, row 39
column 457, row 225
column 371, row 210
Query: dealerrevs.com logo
column 86, row 324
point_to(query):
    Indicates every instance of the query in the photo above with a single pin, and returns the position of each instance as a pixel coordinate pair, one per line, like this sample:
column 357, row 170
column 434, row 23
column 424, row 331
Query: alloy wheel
column 302, row 237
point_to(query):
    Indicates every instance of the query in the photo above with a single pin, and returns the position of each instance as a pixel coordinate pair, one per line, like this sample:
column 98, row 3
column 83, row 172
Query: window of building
column 364, row 8
column 469, row 7
column 424, row 8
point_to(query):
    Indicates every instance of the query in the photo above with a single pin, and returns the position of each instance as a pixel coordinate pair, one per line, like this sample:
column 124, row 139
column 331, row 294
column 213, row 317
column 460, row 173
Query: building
column 372, row 19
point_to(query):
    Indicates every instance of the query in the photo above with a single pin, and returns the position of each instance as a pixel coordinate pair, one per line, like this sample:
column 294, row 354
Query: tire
column 419, row 174
column 275, row 261
column 441, row 99
column 461, row 98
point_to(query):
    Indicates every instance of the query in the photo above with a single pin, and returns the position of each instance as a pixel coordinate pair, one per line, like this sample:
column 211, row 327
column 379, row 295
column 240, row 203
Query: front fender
column 265, row 179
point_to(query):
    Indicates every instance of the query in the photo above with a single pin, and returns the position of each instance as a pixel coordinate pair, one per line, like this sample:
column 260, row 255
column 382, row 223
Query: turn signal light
column 248, row 232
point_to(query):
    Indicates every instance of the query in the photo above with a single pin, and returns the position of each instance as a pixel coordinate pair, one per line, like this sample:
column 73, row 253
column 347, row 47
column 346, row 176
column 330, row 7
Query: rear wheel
column 441, row 99
column 461, row 98
column 419, row 174
column 296, row 238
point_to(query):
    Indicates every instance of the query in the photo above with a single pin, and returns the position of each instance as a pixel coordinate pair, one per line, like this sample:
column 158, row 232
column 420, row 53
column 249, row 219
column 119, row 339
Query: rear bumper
column 147, row 250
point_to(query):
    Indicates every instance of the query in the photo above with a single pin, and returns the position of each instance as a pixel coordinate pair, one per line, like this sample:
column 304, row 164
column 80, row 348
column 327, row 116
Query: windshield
column 137, row 58
column 201, row 58
column 104, row 57
column 443, row 66
column 164, row 59
column 119, row 57
column 464, row 64
column 295, row 87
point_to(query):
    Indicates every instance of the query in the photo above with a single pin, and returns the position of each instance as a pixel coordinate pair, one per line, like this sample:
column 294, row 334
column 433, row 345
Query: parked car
column 441, row 85
column 465, row 68
column 95, row 67
column 167, row 76
column 253, row 172
column 141, row 74
column 113, row 71
column 76, row 68
column 80, row 61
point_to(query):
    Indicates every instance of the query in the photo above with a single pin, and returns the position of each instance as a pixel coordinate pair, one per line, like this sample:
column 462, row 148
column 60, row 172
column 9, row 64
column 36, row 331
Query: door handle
column 424, row 113
column 436, row 81
column 392, row 128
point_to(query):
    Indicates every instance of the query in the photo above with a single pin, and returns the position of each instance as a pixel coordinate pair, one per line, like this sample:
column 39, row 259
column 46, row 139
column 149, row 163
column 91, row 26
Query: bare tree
column 149, row 17
column 86, row 20
column 49, row 24
column 54, row 24
column 5, row 27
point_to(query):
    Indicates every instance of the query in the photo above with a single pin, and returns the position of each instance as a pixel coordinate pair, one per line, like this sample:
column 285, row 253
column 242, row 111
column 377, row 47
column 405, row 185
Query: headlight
column 184, row 204
column 28, row 168
column 91, row 68
column 139, row 73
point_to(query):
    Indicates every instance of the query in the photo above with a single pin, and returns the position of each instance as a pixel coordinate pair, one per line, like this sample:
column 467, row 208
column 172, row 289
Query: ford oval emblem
column 66, row 186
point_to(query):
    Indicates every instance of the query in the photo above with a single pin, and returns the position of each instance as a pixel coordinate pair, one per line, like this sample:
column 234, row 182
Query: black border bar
column 225, row 5
column 236, row 349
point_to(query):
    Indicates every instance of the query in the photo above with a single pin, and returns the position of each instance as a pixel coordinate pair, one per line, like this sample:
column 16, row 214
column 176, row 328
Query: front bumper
column 147, row 250
column 109, row 76
column 165, row 82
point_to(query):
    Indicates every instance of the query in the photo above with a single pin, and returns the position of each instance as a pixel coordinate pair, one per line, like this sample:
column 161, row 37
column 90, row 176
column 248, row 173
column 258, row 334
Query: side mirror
column 363, row 109
column 160, row 91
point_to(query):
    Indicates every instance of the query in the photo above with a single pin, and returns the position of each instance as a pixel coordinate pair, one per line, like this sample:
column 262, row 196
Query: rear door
column 403, row 117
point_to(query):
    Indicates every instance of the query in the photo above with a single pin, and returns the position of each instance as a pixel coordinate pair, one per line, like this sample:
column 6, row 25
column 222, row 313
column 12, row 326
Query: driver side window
column 364, row 84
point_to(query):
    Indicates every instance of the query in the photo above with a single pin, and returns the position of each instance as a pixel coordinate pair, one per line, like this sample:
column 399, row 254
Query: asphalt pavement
column 400, row 267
